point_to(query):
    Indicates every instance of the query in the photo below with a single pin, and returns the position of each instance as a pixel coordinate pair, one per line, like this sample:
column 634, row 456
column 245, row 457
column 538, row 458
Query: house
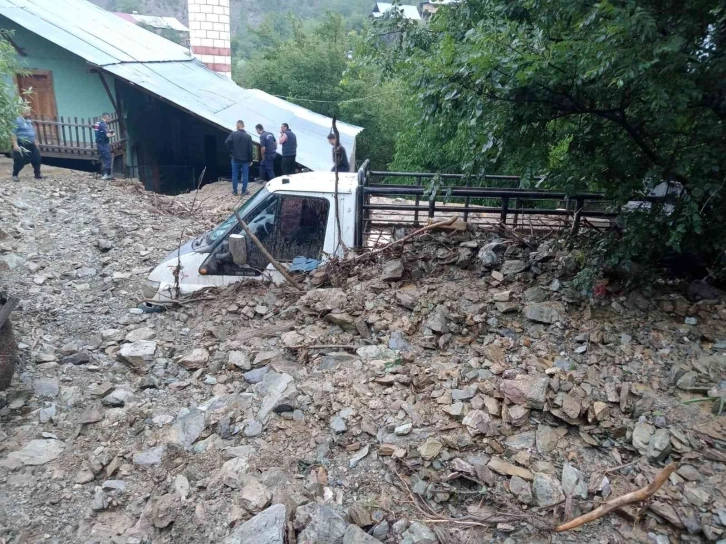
column 430, row 7
column 173, row 108
column 408, row 11
column 168, row 27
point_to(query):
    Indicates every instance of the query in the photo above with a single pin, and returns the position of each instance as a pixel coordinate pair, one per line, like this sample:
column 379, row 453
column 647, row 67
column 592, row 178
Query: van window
column 288, row 226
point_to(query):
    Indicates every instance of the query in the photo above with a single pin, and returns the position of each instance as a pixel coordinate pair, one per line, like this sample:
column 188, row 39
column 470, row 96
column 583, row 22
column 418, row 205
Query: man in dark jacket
column 268, row 149
column 239, row 144
column 24, row 149
column 340, row 157
column 288, row 141
column 103, row 143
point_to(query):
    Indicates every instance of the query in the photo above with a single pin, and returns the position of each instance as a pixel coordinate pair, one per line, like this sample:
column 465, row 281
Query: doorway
column 36, row 88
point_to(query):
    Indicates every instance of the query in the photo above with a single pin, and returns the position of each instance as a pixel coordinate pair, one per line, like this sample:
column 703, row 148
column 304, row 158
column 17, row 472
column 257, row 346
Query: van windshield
column 220, row 231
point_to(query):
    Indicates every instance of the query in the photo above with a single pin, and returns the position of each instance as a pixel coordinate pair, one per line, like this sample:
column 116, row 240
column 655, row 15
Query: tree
column 613, row 95
column 10, row 102
column 128, row 6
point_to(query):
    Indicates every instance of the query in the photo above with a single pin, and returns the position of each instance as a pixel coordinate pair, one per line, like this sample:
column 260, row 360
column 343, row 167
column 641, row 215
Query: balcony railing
column 73, row 137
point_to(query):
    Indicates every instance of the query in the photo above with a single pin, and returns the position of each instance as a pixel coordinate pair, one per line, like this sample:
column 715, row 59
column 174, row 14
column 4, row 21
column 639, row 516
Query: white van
column 293, row 216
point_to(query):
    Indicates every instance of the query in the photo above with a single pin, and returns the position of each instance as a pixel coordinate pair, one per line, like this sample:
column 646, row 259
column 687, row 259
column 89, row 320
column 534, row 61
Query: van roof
column 314, row 182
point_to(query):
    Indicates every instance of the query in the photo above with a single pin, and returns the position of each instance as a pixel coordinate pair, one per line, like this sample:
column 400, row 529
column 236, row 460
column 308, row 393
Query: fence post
column 467, row 201
column 505, row 209
column 580, row 203
column 418, row 201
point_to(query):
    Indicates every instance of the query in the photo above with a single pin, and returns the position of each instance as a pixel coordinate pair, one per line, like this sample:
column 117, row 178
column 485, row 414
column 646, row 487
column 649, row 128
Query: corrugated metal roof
column 154, row 21
column 166, row 69
column 409, row 12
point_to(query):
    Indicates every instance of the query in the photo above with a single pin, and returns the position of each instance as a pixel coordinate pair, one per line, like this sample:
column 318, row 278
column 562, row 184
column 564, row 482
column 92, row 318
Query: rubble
column 466, row 364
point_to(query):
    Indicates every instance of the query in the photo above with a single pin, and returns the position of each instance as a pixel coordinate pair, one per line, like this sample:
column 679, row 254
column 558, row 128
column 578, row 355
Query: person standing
column 288, row 140
column 103, row 144
column 22, row 138
column 268, row 149
column 239, row 144
column 340, row 157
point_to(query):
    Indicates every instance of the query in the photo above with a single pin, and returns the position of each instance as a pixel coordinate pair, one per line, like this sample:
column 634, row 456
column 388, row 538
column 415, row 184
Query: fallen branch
column 636, row 496
column 268, row 256
column 323, row 346
column 405, row 239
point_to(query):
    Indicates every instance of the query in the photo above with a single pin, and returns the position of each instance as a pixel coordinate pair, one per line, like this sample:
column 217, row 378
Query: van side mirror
column 238, row 249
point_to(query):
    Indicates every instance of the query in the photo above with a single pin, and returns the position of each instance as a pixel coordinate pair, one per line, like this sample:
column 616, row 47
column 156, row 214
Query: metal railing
column 384, row 203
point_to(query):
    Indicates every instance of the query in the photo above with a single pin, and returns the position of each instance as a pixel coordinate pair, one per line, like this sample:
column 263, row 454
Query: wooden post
column 121, row 122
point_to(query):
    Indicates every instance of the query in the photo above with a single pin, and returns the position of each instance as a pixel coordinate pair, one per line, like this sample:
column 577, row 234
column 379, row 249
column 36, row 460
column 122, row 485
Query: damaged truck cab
column 292, row 216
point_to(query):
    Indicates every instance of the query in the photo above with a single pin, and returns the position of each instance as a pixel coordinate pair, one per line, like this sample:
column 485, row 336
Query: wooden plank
column 77, row 125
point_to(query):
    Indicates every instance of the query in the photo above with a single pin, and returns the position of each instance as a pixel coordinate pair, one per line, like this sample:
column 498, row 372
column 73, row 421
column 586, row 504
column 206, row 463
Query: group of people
column 239, row 144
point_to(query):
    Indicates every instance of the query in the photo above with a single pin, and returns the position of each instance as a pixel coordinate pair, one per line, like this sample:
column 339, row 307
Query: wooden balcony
column 74, row 138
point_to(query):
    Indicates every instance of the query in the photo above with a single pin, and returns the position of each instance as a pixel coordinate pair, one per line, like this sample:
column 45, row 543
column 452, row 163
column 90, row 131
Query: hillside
column 244, row 12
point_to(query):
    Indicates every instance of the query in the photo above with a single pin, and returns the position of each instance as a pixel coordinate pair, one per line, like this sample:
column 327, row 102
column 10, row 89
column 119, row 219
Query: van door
column 288, row 226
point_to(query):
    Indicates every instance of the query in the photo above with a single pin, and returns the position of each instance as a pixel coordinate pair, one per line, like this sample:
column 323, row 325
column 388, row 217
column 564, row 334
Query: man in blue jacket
column 24, row 148
column 268, row 149
column 103, row 144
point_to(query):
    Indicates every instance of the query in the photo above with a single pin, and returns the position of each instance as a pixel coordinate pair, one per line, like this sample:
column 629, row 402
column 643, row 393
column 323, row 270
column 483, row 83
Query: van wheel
column 149, row 308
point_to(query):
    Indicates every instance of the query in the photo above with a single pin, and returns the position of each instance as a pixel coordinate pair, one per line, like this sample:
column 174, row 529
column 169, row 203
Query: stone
column 233, row 472
column 359, row 514
column 696, row 495
column 138, row 354
column 641, row 436
column 267, row 527
column 430, row 449
column 326, row 526
column 142, row 333
column 659, row 446
column 100, row 500
column 381, row 530
column 38, row 452
column 165, row 510
column 573, row 482
column 500, row 466
column 392, row 270
column 85, row 272
column 478, row 422
column 255, row 496
column 47, row 413
column 337, row 425
column 509, row 268
column 504, row 296
column 534, row 294
column 46, row 387
column 355, row 535
column 114, row 486
column 274, row 386
column 358, row 456
column 521, row 488
column 598, row 411
column 544, row 312
column 518, row 415
column 322, row 300
column 117, row 398
column 690, row 473
column 240, row 360
column 520, row 441
column 253, row 428
column 546, row 490
column 187, row 428
column 418, row 532
column 343, row 320
column 546, row 439
column 526, row 389
column 256, row 375
column 181, row 486
column 403, row 430
column 150, row 457
column 688, row 380
column 196, row 359
column 80, row 358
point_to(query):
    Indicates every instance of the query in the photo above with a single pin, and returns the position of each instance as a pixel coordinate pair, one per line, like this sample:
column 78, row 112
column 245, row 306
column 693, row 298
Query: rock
column 690, row 473
column 165, row 510
column 322, row 300
column 500, row 466
column 381, row 530
column 573, row 482
column 267, row 527
column 546, row 439
column 598, row 411
column 520, row 441
column 325, row 527
column 521, row 488
column 84, row 475
column 255, row 496
column 659, row 446
column 80, row 358
column 38, row 452
column 437, row 321
column 392, row 270
column 418, row 532
column 696, row 495
column 181, row 486
column 403, row 430
column 48, row 413
column 430, row 449
column 546, row 490
column 187, row 428
column 479, row 422
column 196, row 359
column 46, row 387
column 137, row 354
column 233, row 472
column 100, row 500
column 544, row 312
column 256, row 375
column 510, row 268
column 504, row 296
column 355, row 535
column 118, row 397
column 239, row 359
column 534, row 294
column 143, row 333
column 150, row 457
column 343, row 320
column 641, row 436
column 518, row 415
column 114, row 486
column 688, row 380
column 337, row 425
column 358, row 456
column 253, row 428
column 667, row 512
column 274, row 386
column 527, row 389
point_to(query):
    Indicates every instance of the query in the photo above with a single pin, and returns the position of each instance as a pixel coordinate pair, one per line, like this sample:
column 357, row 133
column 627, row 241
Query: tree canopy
column 10, row 102
column 611, row 95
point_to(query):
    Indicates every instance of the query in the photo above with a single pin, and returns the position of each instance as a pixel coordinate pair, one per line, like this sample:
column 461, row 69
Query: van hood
column 183, row 250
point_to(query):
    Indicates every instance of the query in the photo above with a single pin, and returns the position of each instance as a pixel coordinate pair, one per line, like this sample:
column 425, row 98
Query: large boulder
column 267, row 527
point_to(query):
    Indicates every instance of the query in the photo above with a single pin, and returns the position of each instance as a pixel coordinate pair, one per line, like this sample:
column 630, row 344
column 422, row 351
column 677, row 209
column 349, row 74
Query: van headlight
column 150, row 288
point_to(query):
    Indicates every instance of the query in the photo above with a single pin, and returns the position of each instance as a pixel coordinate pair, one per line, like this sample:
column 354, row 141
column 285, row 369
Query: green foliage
column 10, row 102
column 127, row 6
column 612, row 96
column 167, row 33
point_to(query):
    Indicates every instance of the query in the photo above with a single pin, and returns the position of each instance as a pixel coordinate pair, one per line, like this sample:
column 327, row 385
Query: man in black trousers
column 24, row 149
column 239, row 144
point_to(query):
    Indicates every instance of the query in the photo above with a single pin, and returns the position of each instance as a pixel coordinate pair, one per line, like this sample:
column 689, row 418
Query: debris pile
column 455, row 387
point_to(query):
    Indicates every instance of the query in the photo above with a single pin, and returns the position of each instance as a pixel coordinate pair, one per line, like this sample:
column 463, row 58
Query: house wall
column 78, row 92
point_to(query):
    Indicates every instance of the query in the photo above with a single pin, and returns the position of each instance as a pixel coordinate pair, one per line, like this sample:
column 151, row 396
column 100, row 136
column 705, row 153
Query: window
column 288, row 226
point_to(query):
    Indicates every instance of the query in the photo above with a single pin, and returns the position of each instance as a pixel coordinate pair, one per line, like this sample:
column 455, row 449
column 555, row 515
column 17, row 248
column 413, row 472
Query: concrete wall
column 78, row 92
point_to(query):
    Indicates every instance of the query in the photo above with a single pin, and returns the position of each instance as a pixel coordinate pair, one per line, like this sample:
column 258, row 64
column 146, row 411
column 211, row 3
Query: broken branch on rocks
column 640, row 495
